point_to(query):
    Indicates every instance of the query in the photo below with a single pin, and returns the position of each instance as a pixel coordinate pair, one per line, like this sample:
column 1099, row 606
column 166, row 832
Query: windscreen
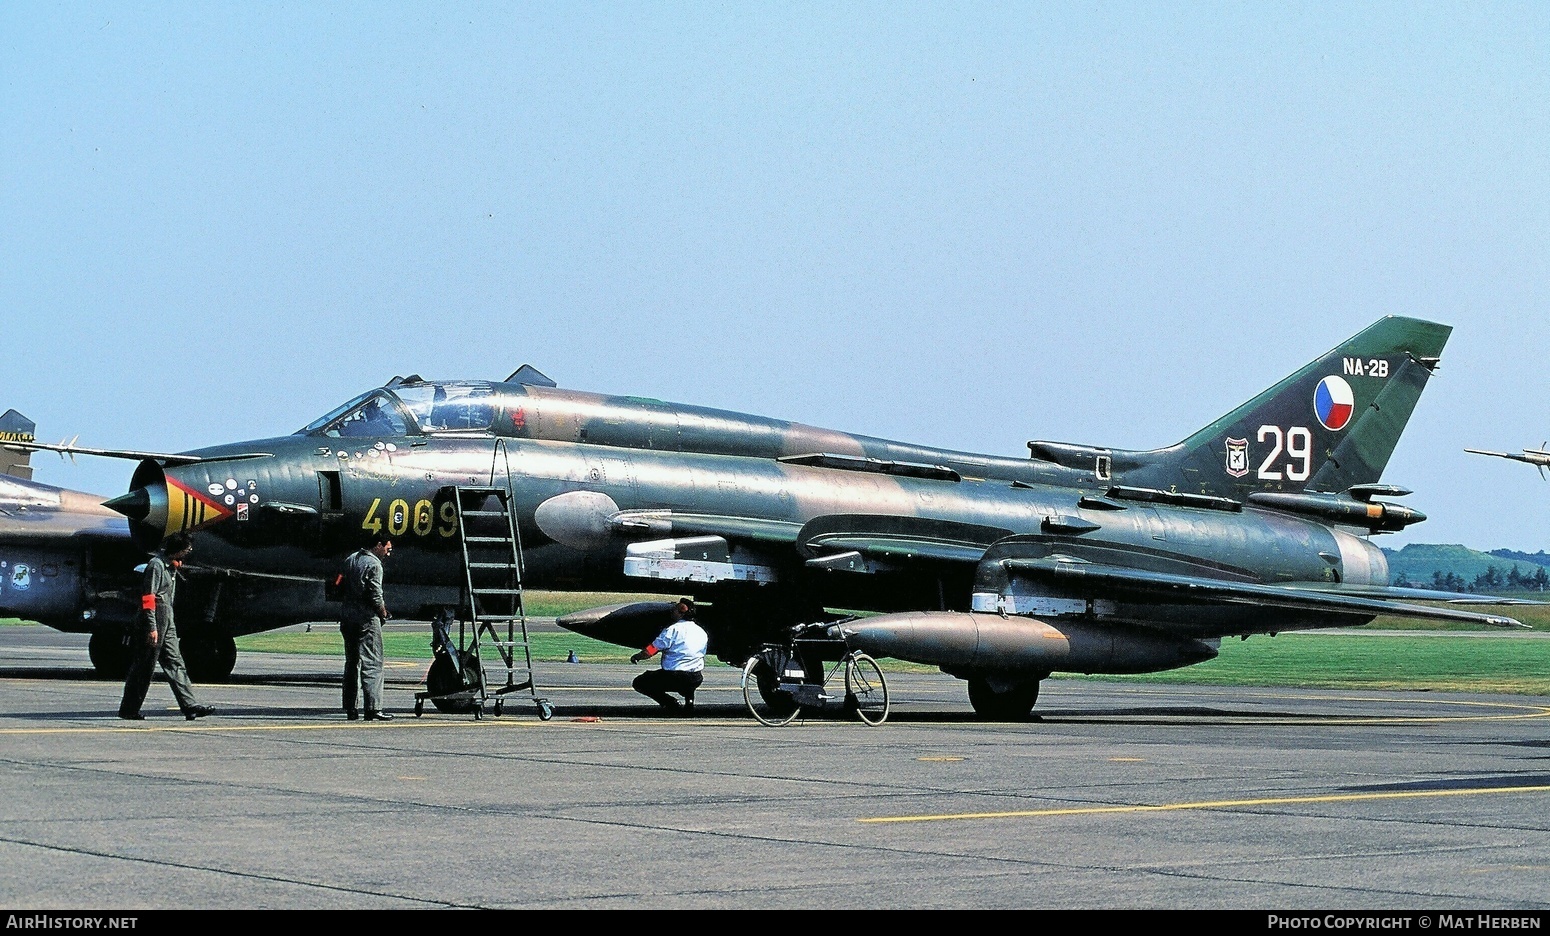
column 371, row 414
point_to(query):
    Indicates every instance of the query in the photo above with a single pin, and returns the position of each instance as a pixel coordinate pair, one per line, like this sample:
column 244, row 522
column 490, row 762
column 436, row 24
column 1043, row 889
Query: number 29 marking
column 1296, row 443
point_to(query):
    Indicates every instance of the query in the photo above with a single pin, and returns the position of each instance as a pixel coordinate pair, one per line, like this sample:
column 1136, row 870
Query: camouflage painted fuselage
column 314, row 497
column 1129, row 560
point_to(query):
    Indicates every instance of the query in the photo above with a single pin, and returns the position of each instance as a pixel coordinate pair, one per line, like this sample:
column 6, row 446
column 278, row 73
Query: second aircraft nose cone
column 135, row 505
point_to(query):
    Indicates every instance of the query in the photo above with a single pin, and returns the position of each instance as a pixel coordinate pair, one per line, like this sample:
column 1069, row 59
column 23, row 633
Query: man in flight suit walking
column 360, row 621
column 158, row 635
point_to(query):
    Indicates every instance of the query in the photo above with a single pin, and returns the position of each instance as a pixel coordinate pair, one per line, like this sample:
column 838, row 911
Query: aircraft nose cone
column 146, row 507
column 136, row 505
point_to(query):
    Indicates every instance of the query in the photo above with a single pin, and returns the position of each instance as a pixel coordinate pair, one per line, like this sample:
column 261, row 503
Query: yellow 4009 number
column 422, row 519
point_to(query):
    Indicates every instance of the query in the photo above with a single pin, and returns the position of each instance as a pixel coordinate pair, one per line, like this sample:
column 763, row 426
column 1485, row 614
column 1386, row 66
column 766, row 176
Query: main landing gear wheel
column 210, row 658
column 866, row 693
column 762, row 695
column 1014, row 704
column 109, row 655
column 444, row 679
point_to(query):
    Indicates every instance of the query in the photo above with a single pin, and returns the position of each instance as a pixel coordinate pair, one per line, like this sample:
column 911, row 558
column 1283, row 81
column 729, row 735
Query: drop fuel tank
column 967, row 642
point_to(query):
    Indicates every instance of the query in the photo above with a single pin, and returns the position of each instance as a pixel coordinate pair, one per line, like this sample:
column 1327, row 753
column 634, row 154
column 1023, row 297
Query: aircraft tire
column 1012, row 705
column 444, row 679
column 210, row 658
column 109, row 656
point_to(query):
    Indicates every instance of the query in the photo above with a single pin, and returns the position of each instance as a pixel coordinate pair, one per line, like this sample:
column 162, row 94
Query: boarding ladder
column 492, row 631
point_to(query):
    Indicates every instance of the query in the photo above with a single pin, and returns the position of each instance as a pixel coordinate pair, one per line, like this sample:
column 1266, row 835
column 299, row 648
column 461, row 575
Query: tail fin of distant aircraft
column 1330, row 426
column 14, row 427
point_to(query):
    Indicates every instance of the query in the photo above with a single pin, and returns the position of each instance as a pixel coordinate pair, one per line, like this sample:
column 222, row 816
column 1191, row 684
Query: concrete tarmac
column 1123, row 796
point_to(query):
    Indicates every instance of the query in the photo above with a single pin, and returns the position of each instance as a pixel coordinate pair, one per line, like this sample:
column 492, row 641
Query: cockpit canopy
column 418, row 408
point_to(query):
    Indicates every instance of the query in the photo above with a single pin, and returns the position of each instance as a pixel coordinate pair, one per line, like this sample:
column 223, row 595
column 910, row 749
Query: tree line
column 1492, row 579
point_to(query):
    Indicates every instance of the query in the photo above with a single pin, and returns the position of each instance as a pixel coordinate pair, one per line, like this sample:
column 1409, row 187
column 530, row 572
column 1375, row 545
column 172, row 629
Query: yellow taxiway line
column 1207, row 804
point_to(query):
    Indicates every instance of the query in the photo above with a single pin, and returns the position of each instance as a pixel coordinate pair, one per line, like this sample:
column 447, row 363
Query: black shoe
column 352, row 715
column 378, row 716
column 131, row 716
column 198, row 711
column 688, row 708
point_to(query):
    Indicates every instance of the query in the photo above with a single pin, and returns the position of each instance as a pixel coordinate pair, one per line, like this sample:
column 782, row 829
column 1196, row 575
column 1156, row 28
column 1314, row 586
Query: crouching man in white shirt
column 682, row 645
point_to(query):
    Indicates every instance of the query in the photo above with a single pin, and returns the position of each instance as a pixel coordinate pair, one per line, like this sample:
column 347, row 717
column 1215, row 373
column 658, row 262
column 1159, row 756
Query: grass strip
column 1443, row 662
column 324, row 640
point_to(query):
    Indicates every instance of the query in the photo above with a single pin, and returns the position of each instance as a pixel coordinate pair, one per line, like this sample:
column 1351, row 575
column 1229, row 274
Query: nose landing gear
column 210, row 658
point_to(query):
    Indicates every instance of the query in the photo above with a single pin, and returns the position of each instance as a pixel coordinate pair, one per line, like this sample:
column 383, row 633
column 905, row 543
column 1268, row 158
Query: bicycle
column 782, row 680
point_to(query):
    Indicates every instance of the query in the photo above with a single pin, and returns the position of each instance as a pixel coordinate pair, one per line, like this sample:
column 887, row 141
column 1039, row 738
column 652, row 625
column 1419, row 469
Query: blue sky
column 964, row 225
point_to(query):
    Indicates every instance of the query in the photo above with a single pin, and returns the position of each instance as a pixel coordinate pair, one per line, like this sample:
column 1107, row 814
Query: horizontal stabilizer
column 1529, row 456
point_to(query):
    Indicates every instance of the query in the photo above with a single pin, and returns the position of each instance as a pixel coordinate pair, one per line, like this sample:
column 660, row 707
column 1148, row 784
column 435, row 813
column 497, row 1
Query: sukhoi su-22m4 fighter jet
column 998, row 570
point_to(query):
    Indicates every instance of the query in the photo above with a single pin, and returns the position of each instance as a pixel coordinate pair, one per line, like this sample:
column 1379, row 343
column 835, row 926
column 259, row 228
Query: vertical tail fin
column 14, row 427
column 1331, row 425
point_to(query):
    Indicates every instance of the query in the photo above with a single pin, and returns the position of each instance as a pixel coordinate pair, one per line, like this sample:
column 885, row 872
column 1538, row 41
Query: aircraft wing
column 1109, row 581
column 73, row 450
column 1417, row 594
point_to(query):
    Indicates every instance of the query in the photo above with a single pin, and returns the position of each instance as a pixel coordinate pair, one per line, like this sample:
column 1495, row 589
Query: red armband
column 650, row 651
column 148, row 602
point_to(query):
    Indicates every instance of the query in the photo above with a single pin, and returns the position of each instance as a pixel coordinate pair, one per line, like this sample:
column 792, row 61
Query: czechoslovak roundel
column 1333, row 403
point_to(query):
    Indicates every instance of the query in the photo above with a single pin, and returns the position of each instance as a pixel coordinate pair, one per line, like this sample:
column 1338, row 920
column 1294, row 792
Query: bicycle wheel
column 761, row 692
column 865, row 690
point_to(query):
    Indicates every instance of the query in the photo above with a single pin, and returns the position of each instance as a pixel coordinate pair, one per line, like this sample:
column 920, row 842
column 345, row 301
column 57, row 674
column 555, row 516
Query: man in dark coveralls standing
column 360, row 621
column 158, row 635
